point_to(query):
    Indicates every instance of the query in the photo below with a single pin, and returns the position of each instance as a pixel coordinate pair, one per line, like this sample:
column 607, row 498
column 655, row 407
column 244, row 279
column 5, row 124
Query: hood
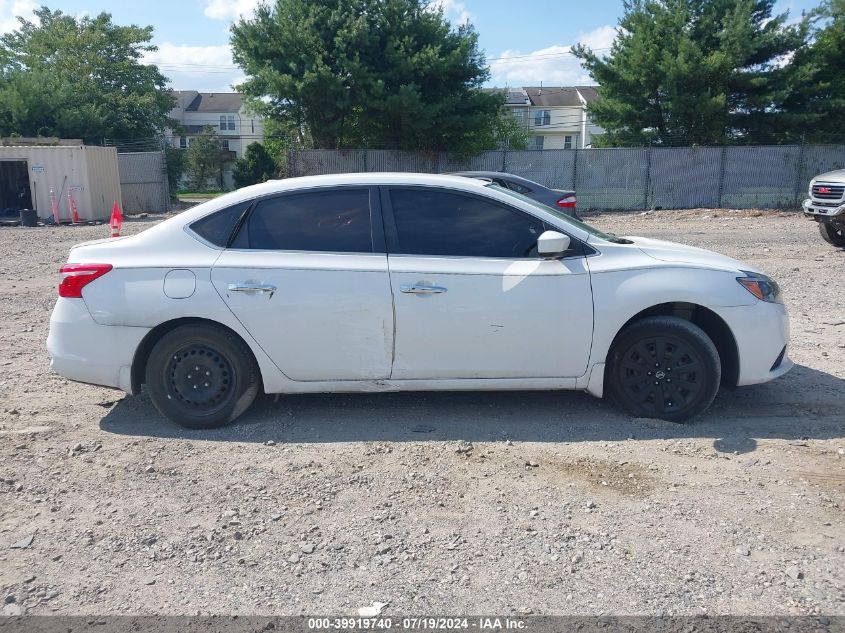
column 680, row 253
column 834, row 176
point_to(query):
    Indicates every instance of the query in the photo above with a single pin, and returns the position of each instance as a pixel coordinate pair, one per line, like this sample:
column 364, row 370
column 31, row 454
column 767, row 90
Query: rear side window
column 515, row 186
column 217, row 227
column 432, row 222
column 337, row 220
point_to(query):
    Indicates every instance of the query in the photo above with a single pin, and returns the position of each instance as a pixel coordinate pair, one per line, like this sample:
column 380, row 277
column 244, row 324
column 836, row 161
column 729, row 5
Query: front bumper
column 762, row 336
column 819, row 211
column 85, row 351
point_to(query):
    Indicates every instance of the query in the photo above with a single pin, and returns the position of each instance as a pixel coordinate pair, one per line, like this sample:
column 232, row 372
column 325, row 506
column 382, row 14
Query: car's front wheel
column 832, row 233
column 664, row 367
column 201, row 376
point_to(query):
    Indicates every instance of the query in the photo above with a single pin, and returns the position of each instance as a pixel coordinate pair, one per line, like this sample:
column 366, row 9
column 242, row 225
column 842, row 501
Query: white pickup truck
column 826, row 205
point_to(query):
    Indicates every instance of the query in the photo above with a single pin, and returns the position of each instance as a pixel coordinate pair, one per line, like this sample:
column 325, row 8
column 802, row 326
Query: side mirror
column 552, row 244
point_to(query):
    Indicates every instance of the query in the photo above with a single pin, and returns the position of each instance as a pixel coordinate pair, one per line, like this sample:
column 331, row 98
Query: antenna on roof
column 541, row 88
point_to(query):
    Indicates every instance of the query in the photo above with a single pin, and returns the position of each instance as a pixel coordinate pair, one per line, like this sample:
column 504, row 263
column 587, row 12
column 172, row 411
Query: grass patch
column 199, row 194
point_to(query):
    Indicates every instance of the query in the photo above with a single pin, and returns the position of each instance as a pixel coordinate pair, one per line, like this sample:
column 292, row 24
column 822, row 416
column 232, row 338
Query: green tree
column 254, row 167
column 280, row 137
column 816, row 104
column 204, row 159
column 367, row 73
column 508, row 132
column 175, row 159
column 694, row 72
column 80, row 78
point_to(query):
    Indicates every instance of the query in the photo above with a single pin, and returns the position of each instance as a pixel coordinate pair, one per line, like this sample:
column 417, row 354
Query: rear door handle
column 250, row 287
column 421, row 289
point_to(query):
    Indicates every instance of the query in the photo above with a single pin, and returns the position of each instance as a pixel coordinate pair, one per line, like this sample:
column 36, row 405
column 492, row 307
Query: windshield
column 558, row 214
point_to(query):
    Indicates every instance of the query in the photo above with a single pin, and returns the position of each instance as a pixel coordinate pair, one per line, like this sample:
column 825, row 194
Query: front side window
column 567, row 142
column 538, row 142
column 183, row 142
column 336, row 220
column 437, row 222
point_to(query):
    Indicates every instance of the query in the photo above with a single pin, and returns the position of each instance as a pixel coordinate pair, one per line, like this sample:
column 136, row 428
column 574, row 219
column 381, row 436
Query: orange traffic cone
column 116, row 220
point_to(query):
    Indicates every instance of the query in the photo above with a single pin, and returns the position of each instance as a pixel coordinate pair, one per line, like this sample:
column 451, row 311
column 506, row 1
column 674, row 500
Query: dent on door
column 318, row 316
column 491, row 318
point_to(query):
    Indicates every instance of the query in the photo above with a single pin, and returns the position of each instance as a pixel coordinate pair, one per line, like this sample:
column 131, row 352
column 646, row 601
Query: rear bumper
column 761, row 332
column 820, row 211
column 85, row 351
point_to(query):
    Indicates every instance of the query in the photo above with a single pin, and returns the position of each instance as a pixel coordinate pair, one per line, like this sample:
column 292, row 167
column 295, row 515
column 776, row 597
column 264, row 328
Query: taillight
column 567, row 203
column 76, row 276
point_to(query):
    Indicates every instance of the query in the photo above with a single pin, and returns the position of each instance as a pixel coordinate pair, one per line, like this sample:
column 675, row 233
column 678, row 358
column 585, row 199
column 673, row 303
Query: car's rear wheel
column 832, row 233
column 664, row 367
column 201, row 376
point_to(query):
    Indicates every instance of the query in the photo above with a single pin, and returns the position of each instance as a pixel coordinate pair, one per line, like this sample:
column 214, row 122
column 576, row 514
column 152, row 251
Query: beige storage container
column 90, row 173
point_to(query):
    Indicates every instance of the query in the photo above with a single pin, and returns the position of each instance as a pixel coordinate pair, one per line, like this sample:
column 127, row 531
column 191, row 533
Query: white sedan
column 390, row 282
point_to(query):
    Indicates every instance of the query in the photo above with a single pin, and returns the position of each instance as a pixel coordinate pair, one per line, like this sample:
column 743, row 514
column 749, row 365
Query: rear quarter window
column 217, row 228
column 515, row 186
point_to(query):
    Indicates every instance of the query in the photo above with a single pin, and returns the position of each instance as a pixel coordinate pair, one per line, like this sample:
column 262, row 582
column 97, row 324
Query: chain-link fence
column 646, row 178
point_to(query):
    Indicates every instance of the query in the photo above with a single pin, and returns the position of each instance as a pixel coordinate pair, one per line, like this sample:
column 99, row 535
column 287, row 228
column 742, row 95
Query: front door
column 307, row 277
column 473, row 299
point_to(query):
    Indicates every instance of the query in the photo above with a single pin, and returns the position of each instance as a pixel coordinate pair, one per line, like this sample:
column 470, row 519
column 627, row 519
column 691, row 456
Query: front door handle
column 250, row 287
column 421, row 289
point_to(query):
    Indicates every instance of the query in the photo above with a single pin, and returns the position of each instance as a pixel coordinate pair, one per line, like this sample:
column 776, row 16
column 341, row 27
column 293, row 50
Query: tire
column 664, row 367
column 832, row 234
column 229, row 376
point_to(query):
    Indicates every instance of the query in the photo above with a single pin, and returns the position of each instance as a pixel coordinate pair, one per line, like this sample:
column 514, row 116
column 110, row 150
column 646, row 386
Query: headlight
column 763, row 287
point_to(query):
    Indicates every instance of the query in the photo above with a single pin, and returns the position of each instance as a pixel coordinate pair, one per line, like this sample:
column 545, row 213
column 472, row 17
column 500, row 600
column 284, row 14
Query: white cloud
column 10, row 10
column 553, row 65
column 168, row 53
column 454, row 10
column 600, row 38
column 203, row 68
column 230, row 10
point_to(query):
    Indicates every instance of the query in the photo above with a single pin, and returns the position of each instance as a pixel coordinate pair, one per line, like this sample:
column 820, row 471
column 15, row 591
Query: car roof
column 370, row 178
column 498, row 174
column 482, row 174
column 329, row 180
column 448, row 181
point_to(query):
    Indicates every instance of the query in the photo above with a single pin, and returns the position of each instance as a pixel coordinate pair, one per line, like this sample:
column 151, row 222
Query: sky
column 526, row 42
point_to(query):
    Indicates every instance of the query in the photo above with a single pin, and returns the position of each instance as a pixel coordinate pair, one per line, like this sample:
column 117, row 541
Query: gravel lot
column 544, row 503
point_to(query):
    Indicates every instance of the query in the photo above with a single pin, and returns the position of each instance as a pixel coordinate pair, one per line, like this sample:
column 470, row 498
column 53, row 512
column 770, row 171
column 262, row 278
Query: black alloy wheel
column 664, row 367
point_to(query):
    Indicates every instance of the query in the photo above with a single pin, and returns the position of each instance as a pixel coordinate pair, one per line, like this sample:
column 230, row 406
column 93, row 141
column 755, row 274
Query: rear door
column 307, row 277
column 473, row 299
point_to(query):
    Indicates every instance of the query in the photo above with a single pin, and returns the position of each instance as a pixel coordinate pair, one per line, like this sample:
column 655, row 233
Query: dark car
column 558, row 199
